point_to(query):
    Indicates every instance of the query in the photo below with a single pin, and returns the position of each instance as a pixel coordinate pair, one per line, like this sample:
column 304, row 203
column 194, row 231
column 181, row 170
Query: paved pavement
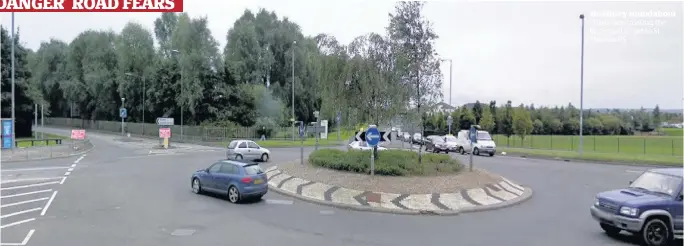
column 116, row 196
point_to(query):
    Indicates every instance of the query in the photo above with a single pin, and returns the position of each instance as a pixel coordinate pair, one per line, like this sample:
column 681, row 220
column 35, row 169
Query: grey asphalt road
column 118, row 198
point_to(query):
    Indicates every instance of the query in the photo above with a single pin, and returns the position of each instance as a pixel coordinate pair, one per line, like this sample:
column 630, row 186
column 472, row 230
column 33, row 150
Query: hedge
column 389, row 162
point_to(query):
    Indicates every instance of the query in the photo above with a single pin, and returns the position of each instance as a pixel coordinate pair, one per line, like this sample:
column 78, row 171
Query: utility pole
column 581, row 126
column 293, row 91
column 42, row 119
column 35, row 121
column 450, row 75
column 14, row 125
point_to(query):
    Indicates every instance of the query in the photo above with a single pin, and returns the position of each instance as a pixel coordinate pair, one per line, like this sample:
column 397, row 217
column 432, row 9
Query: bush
column 389, row 162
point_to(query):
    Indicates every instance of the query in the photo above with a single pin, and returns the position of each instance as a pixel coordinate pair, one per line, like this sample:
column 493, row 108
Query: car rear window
column 253, row 169
column 232, row 144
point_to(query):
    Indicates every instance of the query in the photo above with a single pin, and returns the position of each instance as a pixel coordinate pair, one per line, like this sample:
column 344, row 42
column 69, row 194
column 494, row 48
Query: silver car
column 247, row 150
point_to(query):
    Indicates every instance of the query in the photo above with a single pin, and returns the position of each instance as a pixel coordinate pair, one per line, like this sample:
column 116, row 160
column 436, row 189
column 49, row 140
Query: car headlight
column 629, row 211
column 596, row 203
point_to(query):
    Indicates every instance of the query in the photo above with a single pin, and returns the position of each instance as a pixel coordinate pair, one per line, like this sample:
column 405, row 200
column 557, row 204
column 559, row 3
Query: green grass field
column 634, row 145
column 674, row 132
column 27, row 142
column 624, row 158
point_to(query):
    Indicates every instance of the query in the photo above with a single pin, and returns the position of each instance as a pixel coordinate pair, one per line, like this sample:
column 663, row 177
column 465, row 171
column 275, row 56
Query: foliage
column 389, row 162
column 24, row 95
column 522, row 124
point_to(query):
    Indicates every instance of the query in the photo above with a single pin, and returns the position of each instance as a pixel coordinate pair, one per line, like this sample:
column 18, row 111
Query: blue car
column 650, row 208
column 238, row 180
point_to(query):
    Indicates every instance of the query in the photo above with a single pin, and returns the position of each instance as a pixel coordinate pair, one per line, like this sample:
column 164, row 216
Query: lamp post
column 450, row 74
column 123, row 106
column 14, row 128
column 581, row 125
column 143, row 100
column 182, row 98
column 293, row 90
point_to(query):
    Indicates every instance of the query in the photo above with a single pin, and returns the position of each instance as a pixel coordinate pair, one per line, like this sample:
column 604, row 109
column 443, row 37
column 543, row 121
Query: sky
column 523, row 51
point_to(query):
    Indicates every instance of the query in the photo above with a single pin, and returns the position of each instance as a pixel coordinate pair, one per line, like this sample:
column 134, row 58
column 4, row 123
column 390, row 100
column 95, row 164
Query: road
column 120, row 195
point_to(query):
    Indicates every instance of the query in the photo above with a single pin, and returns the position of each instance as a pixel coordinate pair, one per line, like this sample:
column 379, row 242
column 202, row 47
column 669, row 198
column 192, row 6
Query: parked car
column 485, row 143
column 406, row 137
column 238, row 180
column 360, row 145
column 650, row 207
column 436, row 144
column 417, row 139
column 451, row 142
column 247, row 150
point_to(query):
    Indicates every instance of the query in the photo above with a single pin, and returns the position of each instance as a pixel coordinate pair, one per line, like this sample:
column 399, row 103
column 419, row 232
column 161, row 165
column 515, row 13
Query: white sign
column 324, row 133
column 165, row 121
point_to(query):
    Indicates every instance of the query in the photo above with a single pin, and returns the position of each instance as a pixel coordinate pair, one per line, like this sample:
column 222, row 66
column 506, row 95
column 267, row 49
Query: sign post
column 165, row 130
column 372, row 139
column 123, row 113
column 473, row 140
column 302, row 131
column 7, row 137
column 316, row 115
column 450, row 120
column 338, row 118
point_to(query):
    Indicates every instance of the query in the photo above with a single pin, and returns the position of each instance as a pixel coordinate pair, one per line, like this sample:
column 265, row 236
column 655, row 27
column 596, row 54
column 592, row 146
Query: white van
column 485, row 143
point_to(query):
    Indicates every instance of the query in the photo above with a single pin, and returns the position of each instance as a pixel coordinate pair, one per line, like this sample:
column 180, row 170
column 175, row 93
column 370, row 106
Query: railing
column 66, row 148
column 38, row 142
column 652, row 145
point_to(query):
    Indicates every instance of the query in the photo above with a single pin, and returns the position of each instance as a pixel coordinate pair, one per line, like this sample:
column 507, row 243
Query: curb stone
column 493, row 196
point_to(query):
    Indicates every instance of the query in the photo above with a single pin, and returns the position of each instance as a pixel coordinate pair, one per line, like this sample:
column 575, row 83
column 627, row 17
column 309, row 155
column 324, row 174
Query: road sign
column 302, row 130
column 164, row 132
column 473, row 134
column 7, row 138
column 78, row 134
column 385, row 136
column 372, row 136
column 123, row 113
column 164, row 121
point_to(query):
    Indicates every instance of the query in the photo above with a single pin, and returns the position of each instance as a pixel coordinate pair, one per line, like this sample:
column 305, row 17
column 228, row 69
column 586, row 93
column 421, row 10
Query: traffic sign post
column 302, row 133
column 123, row 113
column 78, row 134
column 7, row 137
column 338, row 119
column 161, row 121
column 450, row 120
column 372, row 139
column 472, row 134
column 165, row 134
column 318, row 123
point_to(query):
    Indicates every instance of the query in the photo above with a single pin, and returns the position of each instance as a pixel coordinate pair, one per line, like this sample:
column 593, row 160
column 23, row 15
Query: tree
column 507, row 120
column 487, row 120
column 466, row 118
column 538, row 126
column 23, row 103
column 477, row 111
column 522, row 124
column 657, row 118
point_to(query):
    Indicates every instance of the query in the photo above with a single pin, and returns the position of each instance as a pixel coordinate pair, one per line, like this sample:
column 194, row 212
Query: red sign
column 91, row 6
column 164, row 132
column 78, row 134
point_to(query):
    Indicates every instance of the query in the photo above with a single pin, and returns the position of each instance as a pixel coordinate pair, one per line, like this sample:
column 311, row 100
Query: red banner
column 164, row 132
column 78, row 134
column 91, row 5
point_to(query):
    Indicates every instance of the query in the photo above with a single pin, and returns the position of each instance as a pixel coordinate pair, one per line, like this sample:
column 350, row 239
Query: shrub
column 389, row 162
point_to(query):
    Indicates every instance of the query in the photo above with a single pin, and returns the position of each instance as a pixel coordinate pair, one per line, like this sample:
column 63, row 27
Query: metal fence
column 644, row 145
column 190, row 133
column 67, row 148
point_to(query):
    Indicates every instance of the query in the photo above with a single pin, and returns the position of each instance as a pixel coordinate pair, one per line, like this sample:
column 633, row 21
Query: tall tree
column 135, row 57
column 507, row 120
column 487, row 121
column 477, row 111
column 23, row 103
column 522, row 123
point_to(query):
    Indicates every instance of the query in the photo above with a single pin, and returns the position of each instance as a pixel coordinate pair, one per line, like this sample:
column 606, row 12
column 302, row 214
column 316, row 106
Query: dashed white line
column 27, row 193
column 79, row 159
column 42, row 213
column 20, row 212
column 27, row 186
column 67, row 173
column 279, row 202
column 17, row 223
column 32, row 169
column 24, row 202
column 634, row 171
column 28, row 237
column 73, row 165
column 71, row 169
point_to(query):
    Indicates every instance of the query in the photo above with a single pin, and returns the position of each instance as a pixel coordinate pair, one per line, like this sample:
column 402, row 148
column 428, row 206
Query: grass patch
column 33, row 142
column 634, row 145
column 674, row 132
column 290, row 143
column 604, row 157
column 389, row 162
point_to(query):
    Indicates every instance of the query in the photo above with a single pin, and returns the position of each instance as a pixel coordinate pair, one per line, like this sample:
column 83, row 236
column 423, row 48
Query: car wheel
column 461, row 150
column 656, row 233
column 610, row 230
column 476, row 151
column 238, row 157
column 233, row 194
column 264, row 157
column 196, row 186
column 491, row 154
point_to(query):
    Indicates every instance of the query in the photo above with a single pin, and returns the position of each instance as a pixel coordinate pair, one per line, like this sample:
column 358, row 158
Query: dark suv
column 650, row 208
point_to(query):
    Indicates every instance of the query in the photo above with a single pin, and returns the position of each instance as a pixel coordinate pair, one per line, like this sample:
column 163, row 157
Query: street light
column 581, row 126
column 14, row 119
column 450, row 72
column 182, row 98
column 123, row 106
column 143, row 98
column 293, row 90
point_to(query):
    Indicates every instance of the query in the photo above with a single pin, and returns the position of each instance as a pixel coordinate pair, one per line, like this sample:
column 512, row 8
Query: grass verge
column 601, row 157
column 389, row 162
column 33, row 142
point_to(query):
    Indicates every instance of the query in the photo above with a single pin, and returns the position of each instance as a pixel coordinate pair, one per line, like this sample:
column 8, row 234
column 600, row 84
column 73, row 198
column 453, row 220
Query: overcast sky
column 526, row 52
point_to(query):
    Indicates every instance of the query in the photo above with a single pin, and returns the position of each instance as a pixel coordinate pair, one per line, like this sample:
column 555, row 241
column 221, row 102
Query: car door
column 225, row 176
column 210, row 182
column 678, row 213
column 254, row 150
column 243, row 150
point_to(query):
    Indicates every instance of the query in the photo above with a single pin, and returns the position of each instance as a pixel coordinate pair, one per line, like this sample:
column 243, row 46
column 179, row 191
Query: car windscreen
column 232, row 144
column 483, row 136
column 437, row 140
column 253, row 169
column 450, row 138
column 659, row 183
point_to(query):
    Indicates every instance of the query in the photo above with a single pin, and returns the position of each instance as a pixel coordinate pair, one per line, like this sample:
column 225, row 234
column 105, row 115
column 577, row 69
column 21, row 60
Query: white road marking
column 20, row 212
column 17, row 223
column 24, row 202
column 67, row 173
column 73, row 165
column 42, row 213
column 27, row 193
column 70, row 169
column 28, row 237
column 279, row 202
column 29, row 179
column 79, row 159
column 32, row 169
column 27, row 186
column 63, row 179
column 634, row 171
